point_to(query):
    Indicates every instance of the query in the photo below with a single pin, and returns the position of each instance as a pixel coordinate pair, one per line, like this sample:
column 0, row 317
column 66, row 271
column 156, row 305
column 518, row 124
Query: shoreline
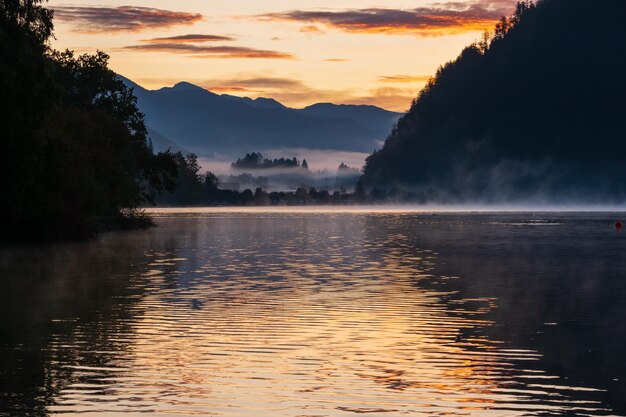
column 381, row 209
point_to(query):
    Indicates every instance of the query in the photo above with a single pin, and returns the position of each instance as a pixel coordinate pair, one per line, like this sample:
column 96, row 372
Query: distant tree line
column 255, row 160
column 345, row 169
column 197, row 189
column 74, row 157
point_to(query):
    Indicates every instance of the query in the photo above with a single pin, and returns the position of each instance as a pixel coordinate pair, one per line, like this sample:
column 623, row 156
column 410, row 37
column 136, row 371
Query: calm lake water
column 321, row 313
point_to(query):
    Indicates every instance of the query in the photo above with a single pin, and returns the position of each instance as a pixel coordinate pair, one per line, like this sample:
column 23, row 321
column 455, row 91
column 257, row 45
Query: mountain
column 535, row 113
column 211, row 124
column 370, row 116
column 160, row 143
column 259, row 102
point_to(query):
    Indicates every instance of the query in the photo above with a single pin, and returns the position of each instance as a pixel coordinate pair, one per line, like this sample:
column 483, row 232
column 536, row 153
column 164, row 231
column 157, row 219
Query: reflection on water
column 320, row 314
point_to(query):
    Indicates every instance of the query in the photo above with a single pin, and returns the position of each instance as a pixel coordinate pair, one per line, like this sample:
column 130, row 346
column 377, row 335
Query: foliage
column 191, row 187
column 255, row 160
column 75, row 157
column 532, row 111
column 203, row 190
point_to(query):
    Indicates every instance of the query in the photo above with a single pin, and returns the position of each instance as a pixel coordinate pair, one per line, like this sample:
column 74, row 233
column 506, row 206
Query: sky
column 299, row 52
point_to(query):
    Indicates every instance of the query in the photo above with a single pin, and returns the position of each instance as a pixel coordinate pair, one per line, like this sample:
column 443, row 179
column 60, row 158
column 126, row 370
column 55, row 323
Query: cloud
column 192, row 38
column 255, row 83
column 312, row 29
column 205, row 51
column 433, row 20
column 404, row 78
column 391, row 98
column 122, row 19
column 336, row 60
column 187, row 44
column 230, row 89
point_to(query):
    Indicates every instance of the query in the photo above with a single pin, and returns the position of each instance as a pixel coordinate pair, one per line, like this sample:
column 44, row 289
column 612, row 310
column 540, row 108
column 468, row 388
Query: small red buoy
column 618, row 225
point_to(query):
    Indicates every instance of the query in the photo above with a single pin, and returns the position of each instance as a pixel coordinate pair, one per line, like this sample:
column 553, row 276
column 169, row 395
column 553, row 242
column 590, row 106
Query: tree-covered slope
column 537, row 110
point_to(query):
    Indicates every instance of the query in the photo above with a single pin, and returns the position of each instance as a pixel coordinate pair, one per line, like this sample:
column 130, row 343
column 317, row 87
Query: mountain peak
column 185, row 86
column 208, row 124
column 129, row 83
column 268, row 103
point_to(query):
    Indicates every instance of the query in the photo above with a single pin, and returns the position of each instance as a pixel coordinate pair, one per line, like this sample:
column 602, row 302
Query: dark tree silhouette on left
column 75, row 158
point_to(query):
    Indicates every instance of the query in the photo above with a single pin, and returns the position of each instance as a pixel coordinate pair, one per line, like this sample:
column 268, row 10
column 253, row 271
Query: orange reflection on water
column 320, row 318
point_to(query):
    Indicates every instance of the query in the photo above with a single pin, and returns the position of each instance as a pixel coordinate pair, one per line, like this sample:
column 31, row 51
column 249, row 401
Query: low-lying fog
column 403, row 208
column 318, row 160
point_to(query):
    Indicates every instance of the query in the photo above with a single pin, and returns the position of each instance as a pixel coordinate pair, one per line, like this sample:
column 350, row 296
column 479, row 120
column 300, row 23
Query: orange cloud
column 254, row 83
column 122, row 19
column 203, row 51
column 295, row 93
column 434, row 20
column 230, row 89
column 404, row 78
column 192, row 38
column 397, row 99
column 312, row 29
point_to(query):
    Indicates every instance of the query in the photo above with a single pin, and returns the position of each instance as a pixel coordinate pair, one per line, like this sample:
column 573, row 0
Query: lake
column 304, row 312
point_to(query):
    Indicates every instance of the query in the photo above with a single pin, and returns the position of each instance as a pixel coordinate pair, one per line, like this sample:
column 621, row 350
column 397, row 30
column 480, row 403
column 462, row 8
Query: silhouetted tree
column 192, row 188
column 255, row 160
column 359, row 192
column 261, row 198
column 74, row 158
column 210, row 182
column 301, row 195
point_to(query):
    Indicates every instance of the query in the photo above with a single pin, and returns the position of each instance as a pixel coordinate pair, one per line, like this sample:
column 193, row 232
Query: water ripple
column 297, row 315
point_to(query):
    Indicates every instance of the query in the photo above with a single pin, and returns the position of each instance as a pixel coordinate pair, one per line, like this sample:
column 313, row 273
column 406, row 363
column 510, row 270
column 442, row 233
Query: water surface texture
column 320, row 313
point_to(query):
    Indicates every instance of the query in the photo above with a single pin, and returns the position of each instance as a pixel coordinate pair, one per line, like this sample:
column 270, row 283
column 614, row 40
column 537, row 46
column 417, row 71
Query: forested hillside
column 534, row 111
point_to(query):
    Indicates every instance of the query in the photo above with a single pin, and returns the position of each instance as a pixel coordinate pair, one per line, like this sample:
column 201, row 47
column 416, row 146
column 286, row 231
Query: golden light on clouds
column 204, row 51
column 436, row 20
column 122, row 19
column 350, row 53
column 300, row 94
column 193, row 38
column 404, row 78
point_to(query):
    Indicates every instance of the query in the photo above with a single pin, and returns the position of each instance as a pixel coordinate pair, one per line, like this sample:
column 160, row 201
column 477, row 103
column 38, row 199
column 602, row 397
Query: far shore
column 389, row 208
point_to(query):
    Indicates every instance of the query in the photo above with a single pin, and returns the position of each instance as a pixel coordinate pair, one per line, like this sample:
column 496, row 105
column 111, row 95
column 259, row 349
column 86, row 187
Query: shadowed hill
column 208, row 123
column 534, row 112
column 370, row 116
column 161, row 144
column 259, row 102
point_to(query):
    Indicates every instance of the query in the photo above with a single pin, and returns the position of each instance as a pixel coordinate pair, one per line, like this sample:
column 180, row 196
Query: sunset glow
column 350, row 52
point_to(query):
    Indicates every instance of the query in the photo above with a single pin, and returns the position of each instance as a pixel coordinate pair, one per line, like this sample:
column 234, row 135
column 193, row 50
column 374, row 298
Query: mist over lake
column 320, row 312
column 306, row 209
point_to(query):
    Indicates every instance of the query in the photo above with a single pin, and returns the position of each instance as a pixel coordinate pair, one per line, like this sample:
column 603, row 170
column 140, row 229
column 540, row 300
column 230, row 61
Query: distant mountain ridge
column 210, row 124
